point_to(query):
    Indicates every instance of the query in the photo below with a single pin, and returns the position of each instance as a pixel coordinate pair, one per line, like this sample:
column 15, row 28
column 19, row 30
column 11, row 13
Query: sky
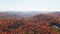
column 29, row 5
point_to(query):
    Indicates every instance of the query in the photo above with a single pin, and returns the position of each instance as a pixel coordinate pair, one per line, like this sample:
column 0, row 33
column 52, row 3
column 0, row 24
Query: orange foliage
column 39, row 24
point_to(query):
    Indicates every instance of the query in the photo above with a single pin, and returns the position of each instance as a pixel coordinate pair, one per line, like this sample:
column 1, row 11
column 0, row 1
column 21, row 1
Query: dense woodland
column 38, row 24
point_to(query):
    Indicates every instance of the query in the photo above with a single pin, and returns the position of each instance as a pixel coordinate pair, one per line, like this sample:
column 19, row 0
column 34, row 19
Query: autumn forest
column 38, row 24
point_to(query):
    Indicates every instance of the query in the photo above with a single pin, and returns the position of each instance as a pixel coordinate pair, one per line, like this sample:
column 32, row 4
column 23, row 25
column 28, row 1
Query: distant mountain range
column 23, row 14
column 18, row 14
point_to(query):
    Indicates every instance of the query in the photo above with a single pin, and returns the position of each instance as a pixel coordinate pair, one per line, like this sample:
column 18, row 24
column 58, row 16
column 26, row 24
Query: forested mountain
column 38, row 23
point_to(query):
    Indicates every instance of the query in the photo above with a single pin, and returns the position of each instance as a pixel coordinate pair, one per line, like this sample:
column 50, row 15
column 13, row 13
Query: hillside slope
column 38, row 24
